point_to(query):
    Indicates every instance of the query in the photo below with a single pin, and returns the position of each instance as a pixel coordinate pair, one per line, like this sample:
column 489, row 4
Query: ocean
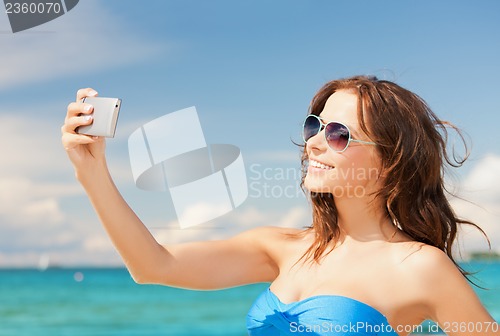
column 93, row 301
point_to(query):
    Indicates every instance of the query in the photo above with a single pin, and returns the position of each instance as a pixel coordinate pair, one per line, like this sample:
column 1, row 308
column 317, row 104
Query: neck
column 363, row 219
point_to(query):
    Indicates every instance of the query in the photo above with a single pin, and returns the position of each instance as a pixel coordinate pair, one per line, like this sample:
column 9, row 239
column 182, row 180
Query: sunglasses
column 337, row 135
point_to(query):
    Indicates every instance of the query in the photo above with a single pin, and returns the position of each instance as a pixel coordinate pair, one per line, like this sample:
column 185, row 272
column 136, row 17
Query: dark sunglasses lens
column 311, row 127
column 337, row 136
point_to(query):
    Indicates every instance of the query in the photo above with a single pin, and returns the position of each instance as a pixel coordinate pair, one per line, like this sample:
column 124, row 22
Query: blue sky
column 250, row 68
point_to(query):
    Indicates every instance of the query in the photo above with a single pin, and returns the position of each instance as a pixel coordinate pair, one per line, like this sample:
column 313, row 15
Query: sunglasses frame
column 323, row 126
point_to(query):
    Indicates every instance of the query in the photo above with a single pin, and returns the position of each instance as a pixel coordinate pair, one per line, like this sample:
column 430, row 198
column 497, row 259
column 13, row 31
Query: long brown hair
column 411, row 142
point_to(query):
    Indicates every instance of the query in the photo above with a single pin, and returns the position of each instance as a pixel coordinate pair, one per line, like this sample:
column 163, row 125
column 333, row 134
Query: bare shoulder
column 449, row 298
column 428, row 261
column 433, row 278
column 427, row 265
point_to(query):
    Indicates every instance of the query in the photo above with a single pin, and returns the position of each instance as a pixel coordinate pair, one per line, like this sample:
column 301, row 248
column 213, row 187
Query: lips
column 320, row 165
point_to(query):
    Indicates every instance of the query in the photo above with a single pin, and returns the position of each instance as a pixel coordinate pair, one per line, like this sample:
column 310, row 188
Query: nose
column 318, row 141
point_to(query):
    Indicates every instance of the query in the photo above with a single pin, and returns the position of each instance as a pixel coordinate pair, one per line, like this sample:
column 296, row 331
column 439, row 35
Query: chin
column 316, row 185
column 338, row 188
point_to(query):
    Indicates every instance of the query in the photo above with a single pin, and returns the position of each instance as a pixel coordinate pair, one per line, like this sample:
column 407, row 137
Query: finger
column 72, row 123
column 98, row 138
column 75, row 109
column 82, row 93
column 71, row 141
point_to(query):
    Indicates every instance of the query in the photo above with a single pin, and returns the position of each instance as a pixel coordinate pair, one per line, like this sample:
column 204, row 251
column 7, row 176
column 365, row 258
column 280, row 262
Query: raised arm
column 243, row 259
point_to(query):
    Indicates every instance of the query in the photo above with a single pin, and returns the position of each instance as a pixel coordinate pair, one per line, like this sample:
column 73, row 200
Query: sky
column 251, row 69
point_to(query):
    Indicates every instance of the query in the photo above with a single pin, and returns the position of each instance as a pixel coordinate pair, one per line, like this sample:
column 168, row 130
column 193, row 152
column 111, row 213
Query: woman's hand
column 84, row 151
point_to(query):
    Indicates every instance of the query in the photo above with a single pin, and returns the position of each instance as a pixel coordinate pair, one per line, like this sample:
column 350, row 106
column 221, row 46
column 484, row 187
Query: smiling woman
column 404, row 172
column 376, row 259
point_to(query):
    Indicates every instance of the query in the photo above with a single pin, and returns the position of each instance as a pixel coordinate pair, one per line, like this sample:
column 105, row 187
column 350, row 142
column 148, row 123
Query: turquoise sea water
column 107, row 302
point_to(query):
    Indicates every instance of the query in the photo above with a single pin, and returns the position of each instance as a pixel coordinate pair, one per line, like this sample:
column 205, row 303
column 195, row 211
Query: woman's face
column 352, row 173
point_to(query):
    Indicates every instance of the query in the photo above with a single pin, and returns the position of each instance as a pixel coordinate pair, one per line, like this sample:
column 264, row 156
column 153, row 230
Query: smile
column 316, row 164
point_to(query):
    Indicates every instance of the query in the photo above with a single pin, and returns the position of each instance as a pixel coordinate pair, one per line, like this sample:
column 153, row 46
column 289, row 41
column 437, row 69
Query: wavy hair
column 411, row 143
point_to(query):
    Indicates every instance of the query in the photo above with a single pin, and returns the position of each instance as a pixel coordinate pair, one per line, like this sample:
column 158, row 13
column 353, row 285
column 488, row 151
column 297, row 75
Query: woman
column 377, row 257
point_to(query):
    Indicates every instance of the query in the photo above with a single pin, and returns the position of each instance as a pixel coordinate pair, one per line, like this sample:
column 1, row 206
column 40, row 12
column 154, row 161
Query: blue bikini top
column 319, row 315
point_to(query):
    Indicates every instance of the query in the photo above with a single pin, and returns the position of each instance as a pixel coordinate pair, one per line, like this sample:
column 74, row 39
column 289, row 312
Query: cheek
column 358, row 168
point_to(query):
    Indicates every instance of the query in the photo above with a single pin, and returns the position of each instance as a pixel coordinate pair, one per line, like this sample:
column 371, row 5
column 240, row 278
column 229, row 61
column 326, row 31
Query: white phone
column 105, row 116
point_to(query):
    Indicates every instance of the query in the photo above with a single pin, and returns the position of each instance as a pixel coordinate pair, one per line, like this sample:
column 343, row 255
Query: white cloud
column 35, row 175
column 20, row 259
column 480, row 204
column 31, row 147
column 297, row 217
column 98, row 243
column 47, row 210
column 88, row 38
column 34, row 172
column 26, row 203
column 43, row 209
column 483, row 183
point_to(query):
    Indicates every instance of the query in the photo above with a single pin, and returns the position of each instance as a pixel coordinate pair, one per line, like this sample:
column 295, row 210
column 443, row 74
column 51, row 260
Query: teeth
column 319, row 165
